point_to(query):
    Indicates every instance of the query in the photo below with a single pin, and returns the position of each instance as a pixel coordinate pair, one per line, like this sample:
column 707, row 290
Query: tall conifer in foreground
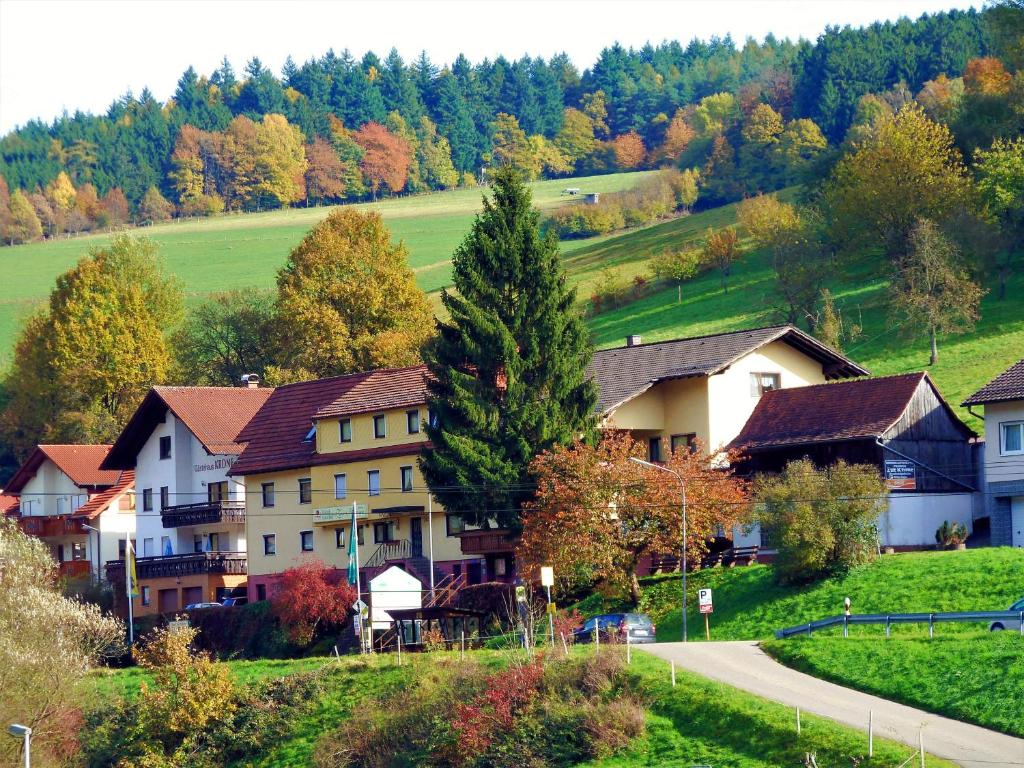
column 509, row 366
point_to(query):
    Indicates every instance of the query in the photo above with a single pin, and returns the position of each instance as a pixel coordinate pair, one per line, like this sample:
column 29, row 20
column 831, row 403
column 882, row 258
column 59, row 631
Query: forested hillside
column 340, row 128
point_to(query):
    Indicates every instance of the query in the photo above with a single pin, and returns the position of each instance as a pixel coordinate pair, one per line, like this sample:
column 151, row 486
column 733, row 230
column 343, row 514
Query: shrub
column 250, row 631
column 311, row 597
column 676, row 265
column 950, row 534
column 823, row 521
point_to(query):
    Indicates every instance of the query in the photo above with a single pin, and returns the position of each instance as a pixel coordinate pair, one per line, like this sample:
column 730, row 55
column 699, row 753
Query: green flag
column 353, row 565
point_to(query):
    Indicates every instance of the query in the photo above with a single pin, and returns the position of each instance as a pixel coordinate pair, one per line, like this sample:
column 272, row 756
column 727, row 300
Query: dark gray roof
column 623, row 373
column 1008, row 385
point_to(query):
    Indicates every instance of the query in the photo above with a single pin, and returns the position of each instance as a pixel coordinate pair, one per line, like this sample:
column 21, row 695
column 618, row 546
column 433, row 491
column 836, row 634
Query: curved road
column 744, row 665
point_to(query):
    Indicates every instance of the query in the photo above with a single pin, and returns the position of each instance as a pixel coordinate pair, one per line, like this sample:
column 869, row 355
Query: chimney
column 633, row 340
column 251, row 380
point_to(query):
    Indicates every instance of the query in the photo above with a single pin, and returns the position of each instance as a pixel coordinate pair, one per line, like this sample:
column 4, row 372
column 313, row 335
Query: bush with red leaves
column 311, row 597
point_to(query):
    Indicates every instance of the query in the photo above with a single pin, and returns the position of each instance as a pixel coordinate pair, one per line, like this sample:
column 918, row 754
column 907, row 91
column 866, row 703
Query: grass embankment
column 976, row 677
column 698, row 721
column 246, row 250
column 749, row 605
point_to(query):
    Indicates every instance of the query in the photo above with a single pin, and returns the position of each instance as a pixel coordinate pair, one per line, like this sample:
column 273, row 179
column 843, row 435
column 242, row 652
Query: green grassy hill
column 242, row 250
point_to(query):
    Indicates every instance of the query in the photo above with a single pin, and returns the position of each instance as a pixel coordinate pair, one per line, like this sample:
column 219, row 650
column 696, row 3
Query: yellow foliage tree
column 61, row 192
column 280, row 161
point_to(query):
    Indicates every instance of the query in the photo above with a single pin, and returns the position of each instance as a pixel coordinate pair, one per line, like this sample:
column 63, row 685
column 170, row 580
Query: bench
column 739, row 556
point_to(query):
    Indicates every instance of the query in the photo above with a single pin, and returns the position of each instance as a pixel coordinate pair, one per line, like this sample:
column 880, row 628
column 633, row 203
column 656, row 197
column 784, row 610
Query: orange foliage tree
column 629, row 151
column 596, row 514
column 986, row 76
column 309, row 597
column 325, row 173
column 386, row 157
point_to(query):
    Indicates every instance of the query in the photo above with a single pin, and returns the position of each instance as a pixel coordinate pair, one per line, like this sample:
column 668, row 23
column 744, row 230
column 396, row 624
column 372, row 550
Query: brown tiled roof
column 823, row 413
column 8, row 504
column 81, row 463
column 1008, row 385
column 623, row 373
column 215, row 415
column 381, row 390
column 276, row 437
column 100, row 501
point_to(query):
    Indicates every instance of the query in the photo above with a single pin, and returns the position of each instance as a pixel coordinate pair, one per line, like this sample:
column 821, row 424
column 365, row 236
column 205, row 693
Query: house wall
column 115, row 523
column 205, row 586
column 1004, row 475
column 50, row 492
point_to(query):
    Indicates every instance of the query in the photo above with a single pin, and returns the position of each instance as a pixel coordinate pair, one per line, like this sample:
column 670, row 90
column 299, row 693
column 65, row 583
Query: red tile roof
column 215, row 415
column 96, row 505
column 623, row 373
column 81, row 463
column 276, row 437
column 8, row 504
column 821, row 413
column 1009, row 385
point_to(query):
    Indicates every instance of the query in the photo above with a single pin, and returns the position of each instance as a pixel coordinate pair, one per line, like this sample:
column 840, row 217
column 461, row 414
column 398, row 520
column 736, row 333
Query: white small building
column 84, row 513
column 393, row 589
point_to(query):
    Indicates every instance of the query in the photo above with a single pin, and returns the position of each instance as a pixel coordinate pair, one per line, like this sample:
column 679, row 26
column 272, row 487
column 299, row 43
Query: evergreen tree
column 508, row 370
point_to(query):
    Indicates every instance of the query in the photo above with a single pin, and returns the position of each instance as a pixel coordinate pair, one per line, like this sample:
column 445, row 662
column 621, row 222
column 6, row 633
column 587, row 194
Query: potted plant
column 951, row 535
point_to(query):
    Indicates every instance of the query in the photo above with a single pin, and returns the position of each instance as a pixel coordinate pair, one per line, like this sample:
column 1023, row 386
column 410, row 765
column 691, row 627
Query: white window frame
column 756, row 382
column 412, row 421
column 344, row 494
column 1002, row 438
column 309, row 485
column 268, row 536
column 312, row 541
column 369, row 486
column 339, row 538
column 273, row 494
column 341, row 430
column 383, row 419
column 401, row 478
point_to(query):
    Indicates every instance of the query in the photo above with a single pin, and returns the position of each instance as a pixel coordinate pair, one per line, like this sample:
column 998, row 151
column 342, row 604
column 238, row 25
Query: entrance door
column 473, row 572
column 167, row 600
column 1017, row 520
column 416, row 536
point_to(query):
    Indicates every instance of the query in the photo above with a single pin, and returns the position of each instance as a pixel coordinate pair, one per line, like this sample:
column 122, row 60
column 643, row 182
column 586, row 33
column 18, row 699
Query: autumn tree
column 1000, row 181
column 512, row 148
column 23, row 224
column 154, row 207
column 629, row 151
column 386, row 158
column 508, row 368
column 325, row 173
column 115, row 207
column 931, row 291
column 348, row 301
column 721, row 250
column 350, row 154
column 61, row 193
column 800, row 142
column 435, row 157
column 678, row 136
column 986, row 76
column 596, row 514
column 280, row 161
column 907, row 168
column 309, row 598
column 576, row 138
column 822, row 521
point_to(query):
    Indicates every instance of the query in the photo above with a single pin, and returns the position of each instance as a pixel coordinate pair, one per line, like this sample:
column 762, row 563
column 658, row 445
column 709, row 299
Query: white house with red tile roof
column 83, row 512
column 191, row 514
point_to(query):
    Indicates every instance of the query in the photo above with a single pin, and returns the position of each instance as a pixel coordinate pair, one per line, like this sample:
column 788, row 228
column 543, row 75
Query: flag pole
column 430, row 539
column 359, row 587
column 129, row 573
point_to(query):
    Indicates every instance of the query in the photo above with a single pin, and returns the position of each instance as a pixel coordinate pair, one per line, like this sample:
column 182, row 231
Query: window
column 373, row 482
column 305, row 490
column 763, row 382
column 165, row 447
column 765, row 539
column 306, row 541
column 216, row 492
column 412, row 420
column 383, row 532
column 406, row 479
column 147, row 499
column 310, row 435
column 1012, row 437
column 214, row 542
column 197, row 543
column 654, row 449
column 78, row 551
column 380, row 426
column 339, row 538
column 432, row 418
column 359, row 535
column 345, row 430
column 165, row 497
column 680, row 442
column 165, row 546
column 268, row 494
column 145, row 595
column 122, row 548
column 453, row 525
column 261, row 591
column 340, row 486
column 500, row 566
column 269, row 543
column 147, row 547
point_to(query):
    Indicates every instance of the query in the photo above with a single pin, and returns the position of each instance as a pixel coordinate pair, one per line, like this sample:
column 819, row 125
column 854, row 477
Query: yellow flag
column 131, row 580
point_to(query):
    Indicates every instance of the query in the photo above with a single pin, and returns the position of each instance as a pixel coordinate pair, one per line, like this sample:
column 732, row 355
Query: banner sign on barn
column 900, row 475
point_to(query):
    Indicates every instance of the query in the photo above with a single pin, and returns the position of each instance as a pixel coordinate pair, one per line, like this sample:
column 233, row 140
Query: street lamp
column 99, row 561
column 682, row 486
column 22, row 732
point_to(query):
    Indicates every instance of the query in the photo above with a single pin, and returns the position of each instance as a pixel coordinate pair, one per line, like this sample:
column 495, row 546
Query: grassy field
column 697, row 722
column 976, row 677
column 749, row 605
column 241, row 250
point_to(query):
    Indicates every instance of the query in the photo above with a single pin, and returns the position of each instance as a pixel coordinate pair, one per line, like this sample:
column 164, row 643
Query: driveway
column 744, row 665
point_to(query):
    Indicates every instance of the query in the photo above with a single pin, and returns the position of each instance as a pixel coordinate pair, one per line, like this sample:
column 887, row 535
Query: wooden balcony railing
column 51, row 525
column 74, row 569
column 486, row 542
column 232, row 563
column 203, row 513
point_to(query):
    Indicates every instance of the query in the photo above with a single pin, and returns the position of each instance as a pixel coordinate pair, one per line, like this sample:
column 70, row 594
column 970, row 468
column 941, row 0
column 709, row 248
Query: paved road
column 744, row 665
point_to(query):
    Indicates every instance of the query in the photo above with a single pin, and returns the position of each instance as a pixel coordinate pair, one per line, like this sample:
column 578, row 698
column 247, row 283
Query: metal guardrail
column 888, row 619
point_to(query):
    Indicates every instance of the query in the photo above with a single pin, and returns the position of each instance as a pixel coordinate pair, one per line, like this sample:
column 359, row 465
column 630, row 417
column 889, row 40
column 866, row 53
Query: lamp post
column 22, row 732
column 99, row 560
column 682, row 486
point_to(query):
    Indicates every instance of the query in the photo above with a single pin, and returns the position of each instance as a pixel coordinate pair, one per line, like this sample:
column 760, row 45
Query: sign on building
column 900, row 475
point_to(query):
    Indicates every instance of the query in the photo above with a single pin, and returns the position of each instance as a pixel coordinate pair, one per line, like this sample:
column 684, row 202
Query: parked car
column 995, row 626
column 198, row 606
column 229, row 601
column 614, row 627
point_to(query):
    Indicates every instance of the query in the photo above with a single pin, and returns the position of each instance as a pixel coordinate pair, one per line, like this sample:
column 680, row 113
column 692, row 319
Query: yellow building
column 319, row 449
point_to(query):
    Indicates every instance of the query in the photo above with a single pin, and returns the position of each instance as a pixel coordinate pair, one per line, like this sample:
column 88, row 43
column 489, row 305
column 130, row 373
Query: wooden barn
column 900, row 424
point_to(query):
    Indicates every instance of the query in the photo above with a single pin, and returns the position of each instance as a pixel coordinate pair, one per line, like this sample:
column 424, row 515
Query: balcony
column 486, row 542
column 203, row 513
column 51, row 525
column 174, row 566
column 74, row 569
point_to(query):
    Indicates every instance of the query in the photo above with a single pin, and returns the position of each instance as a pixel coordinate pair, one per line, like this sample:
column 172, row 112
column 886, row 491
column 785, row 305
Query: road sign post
column 547, row 580
column 706, row 608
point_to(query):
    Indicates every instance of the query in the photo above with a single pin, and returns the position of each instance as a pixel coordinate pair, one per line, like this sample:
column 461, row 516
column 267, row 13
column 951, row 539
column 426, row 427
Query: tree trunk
column 634, row 588
column 935, row 347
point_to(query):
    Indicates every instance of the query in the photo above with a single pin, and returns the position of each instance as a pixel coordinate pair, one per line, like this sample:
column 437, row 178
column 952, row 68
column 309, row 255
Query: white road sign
column 704, row 597
column 547, row 576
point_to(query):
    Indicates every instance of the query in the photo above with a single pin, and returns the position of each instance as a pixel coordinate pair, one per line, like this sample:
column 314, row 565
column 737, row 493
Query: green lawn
column 241, row 250
column 749, row 605
column 977, row 677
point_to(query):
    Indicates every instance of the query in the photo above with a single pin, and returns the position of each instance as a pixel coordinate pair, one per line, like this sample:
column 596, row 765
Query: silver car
column 1014, row 624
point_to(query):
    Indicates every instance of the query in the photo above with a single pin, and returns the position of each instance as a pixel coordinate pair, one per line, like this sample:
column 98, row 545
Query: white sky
column 58, row 55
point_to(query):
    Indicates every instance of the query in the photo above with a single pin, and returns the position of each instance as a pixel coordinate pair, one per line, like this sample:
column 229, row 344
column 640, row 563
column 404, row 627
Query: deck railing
column 232, row 563
column 203, row 513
